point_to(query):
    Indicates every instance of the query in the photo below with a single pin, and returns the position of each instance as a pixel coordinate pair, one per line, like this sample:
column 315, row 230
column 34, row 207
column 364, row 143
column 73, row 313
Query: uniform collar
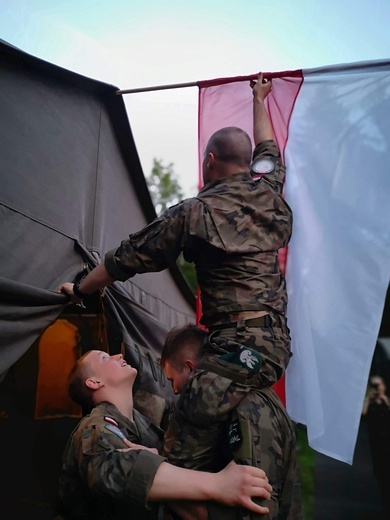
column 230, row 179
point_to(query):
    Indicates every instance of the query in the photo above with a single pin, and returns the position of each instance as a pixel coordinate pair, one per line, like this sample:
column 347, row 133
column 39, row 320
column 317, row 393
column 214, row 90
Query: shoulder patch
column 250, row 360
column 244, row 357
column 116, row 431
column 262, row 166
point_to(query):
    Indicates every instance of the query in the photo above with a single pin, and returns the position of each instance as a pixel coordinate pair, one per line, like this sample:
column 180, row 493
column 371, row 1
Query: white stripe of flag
column 333, row 127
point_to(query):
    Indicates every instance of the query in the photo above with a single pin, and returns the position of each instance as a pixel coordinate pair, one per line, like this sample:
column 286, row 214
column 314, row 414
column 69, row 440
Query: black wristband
column 77, row 291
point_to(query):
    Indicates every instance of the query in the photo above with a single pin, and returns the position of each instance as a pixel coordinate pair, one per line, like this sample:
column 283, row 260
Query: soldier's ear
column 189, row 364
column 210, row 160
column 93, row 383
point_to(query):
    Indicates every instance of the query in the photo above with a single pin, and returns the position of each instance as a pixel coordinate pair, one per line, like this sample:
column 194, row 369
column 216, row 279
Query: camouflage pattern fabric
column 261, row 434
column 217, row 420
column 99, row 482
column 272, row 343
column 195, row 427
column 232, row 231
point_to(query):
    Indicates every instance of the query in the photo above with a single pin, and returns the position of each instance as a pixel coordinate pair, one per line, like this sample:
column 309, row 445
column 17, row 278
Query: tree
column 166, row 191
column 164, row 186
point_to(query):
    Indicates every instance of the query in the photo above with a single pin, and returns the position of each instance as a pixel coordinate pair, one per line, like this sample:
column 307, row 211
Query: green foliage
column 166, row 191
column 164, row 187
column 188, row 271
column 306, row 465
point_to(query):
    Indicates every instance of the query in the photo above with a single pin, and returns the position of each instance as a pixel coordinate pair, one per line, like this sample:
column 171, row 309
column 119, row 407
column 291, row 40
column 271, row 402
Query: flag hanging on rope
column 332, row 125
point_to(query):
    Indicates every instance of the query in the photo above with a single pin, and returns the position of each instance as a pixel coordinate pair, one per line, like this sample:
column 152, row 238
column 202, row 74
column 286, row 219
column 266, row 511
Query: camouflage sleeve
column 210, row 397
column 119, row 474
column 267, row 156
column 195, row 428
column 153, row 248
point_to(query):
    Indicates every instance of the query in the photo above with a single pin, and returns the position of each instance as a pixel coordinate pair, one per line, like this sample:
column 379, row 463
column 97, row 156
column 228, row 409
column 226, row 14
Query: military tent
column 72, row 188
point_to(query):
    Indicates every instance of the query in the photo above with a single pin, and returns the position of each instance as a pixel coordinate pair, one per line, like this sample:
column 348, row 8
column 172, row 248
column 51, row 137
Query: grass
column 306, row 463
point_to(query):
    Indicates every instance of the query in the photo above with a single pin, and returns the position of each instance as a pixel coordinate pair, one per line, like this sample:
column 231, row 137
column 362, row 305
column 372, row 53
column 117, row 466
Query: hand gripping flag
column 332, row 125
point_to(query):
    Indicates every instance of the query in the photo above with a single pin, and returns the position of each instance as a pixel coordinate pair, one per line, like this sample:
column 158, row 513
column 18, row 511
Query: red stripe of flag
column 218, row 102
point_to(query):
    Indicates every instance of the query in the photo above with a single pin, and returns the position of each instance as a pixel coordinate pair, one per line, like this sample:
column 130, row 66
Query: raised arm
column 262, row 129
column 153, row 248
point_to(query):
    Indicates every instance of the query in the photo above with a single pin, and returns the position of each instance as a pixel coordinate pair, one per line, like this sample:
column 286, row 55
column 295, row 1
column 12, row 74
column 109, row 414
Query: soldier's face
column 111, row 369
column 178, row 376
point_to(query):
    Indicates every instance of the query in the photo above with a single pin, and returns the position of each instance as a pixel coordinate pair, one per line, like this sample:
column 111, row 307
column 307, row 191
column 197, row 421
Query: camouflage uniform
column 232, row 231
column 217, row 420
column 99, row 482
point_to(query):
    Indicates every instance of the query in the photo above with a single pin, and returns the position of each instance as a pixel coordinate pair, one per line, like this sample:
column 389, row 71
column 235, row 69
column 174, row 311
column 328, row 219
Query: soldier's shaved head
column 181, row 354
column 183, row 342
column 228, row 151
column 231, row 145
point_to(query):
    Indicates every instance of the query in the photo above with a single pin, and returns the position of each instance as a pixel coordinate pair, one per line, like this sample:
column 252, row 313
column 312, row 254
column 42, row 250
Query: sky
column 143, row 43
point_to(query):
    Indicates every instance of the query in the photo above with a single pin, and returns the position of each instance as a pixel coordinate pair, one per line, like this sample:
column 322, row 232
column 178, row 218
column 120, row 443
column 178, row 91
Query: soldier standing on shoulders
column 232, row 230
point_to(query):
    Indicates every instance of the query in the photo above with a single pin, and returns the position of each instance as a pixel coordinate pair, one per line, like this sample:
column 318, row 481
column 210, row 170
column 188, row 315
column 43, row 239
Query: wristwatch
column 77, row 291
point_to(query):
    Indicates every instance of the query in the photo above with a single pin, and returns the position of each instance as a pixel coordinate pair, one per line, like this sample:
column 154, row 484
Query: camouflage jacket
column 217, row 420
column 98, row 481
column 196, row 426
column 232, row 231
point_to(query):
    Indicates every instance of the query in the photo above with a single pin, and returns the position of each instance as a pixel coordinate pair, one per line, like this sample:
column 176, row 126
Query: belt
column 263, row 321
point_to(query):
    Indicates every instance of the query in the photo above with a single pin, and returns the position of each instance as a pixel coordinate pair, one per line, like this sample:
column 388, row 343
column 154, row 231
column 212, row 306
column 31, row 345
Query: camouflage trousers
column 262, row 435
column 271, row 342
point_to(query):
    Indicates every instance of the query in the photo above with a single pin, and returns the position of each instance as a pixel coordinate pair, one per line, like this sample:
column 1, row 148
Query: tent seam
column 96, row 175
column 39, row 221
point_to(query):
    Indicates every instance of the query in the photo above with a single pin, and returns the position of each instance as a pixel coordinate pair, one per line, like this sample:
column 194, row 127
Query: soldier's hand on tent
column 67, row 288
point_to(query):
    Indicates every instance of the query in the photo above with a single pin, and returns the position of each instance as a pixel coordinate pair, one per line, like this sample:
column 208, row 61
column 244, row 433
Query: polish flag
column 332, row 126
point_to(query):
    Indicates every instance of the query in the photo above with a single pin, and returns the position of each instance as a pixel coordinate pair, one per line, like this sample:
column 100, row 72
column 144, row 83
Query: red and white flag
column 332, row 125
